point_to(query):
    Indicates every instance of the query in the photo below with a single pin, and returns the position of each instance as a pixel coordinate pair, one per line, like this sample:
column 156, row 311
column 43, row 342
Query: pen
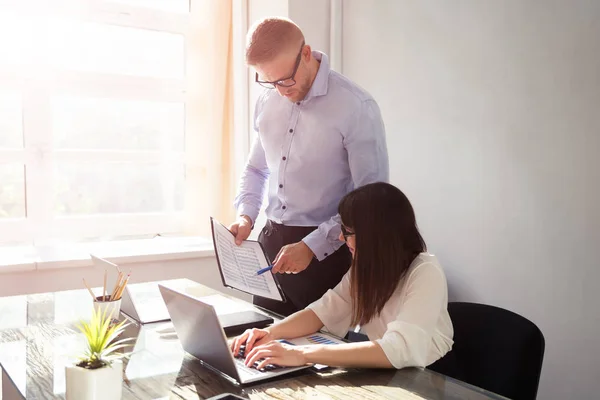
column 263, row 270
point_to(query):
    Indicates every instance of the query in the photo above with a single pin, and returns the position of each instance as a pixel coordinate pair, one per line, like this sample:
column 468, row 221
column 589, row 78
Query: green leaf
column 100, row 337
column 113, row 349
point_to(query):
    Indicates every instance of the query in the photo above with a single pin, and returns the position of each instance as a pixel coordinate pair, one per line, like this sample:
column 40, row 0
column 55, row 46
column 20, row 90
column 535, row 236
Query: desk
column 38, row 337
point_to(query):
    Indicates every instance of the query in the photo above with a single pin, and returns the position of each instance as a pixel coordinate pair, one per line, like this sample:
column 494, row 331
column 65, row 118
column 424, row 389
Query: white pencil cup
column 111, row 308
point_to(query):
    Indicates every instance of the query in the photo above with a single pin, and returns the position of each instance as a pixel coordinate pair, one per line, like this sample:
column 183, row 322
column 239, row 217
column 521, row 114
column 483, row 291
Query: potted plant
column 99, row 372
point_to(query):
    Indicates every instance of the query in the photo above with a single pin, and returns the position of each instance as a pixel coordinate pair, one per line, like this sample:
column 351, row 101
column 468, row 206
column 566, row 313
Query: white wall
column 492, row 112
column 312, row 16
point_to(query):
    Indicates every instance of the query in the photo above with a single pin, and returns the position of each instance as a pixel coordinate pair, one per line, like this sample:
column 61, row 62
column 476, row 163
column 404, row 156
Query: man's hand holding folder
column 241, row 229
column 243, row 266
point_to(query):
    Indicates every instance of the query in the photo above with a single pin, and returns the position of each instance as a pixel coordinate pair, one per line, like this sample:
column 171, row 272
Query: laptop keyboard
column 240, row 363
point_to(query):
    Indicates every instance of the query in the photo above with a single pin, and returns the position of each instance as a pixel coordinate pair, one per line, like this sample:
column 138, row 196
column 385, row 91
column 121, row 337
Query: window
column 93, row 116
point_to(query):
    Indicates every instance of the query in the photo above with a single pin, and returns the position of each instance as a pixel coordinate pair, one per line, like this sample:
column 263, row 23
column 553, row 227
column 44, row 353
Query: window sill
column 73, row 255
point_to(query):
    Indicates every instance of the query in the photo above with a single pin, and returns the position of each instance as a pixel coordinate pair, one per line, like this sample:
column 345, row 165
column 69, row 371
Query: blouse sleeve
column 334, row 309
column 407, row 340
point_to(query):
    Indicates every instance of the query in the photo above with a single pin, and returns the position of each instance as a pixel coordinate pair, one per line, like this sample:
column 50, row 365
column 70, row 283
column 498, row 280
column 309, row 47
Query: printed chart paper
column 239, row 264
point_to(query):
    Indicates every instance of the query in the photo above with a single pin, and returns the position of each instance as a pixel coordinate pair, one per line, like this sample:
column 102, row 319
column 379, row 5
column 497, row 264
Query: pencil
column 89, row 290
column 116, row 288
column 120, row 292
column 104, row 287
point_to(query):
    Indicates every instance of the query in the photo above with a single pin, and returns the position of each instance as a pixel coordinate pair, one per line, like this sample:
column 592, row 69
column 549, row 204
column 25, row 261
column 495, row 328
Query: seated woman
column 394, row 291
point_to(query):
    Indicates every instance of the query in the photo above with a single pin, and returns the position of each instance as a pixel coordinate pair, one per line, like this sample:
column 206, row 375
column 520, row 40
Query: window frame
column 40, row 224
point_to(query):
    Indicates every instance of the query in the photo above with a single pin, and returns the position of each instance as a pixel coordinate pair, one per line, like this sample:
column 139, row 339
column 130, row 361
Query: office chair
column 494, row 349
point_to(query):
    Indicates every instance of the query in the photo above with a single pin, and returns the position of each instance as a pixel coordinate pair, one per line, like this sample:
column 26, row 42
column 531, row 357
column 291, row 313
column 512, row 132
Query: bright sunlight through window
column 92, row 118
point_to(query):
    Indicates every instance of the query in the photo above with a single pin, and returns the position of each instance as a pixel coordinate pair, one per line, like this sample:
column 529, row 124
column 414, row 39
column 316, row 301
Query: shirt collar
column 319, row 85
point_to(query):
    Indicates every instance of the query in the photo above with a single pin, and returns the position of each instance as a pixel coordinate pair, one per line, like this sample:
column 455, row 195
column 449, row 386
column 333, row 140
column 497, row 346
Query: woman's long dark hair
column 387, row 242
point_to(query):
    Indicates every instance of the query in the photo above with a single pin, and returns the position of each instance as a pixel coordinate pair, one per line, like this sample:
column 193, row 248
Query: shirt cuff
column 319, row 245
column 250, row 211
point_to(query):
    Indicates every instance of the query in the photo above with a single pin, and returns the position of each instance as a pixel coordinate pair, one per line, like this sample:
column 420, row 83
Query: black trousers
column 302, row 288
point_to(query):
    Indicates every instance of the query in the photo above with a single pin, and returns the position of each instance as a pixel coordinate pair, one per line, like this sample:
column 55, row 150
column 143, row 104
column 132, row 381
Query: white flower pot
column 95, row 384
column 110, row 308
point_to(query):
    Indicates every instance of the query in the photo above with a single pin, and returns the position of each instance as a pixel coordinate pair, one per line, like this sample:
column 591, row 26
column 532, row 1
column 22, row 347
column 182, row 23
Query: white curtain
column 209, row 127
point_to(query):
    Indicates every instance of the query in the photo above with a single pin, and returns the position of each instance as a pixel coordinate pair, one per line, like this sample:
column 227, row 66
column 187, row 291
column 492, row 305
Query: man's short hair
column 270, row 37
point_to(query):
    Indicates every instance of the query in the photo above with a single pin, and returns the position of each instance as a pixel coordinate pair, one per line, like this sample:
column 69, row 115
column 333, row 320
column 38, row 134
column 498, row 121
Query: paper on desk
column 239, row 264
column 315, row 338
column 311, row 340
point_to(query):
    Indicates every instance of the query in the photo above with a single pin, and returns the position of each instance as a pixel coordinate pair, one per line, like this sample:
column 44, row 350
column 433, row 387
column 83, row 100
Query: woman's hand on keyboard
column 275, row 353
column 251, row 338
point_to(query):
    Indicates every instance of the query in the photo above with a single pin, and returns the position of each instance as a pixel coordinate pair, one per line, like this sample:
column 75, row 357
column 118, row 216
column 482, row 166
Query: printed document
column 239, row 264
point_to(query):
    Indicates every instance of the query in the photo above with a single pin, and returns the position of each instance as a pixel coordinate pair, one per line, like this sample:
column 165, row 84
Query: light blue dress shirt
column 312, row 153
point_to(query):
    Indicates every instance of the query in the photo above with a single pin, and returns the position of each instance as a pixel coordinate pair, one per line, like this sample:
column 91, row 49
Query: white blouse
column 413, row 329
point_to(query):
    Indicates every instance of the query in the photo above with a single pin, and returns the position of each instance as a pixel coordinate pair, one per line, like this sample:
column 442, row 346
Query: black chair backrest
column 494, row 349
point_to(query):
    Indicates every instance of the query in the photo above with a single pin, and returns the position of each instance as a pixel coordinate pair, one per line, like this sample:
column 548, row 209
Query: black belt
column 273, row 227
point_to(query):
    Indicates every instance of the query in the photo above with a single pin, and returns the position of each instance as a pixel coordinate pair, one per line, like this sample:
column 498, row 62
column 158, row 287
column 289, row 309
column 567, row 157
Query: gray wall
column 492, row 111
column 313, row 17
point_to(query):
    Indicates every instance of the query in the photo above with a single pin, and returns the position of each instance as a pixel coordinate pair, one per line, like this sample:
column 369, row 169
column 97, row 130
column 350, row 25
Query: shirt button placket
column 284, row 158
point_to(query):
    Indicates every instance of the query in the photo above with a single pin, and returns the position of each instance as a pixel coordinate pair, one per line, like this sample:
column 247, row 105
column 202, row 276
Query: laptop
column 141, row 301
column 201, row 335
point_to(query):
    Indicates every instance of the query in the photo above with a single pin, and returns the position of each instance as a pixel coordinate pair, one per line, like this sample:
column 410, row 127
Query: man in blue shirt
column 319, row 137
